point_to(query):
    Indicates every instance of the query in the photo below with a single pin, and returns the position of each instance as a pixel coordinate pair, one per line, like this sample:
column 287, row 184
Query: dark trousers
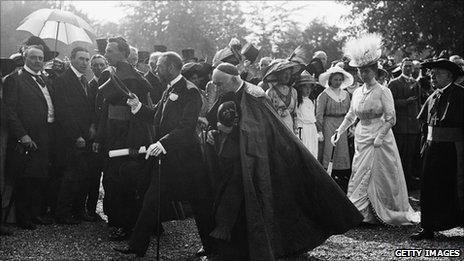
column 342, row 178
column 92, row 182
column 237, row 247
column 28, row 198
column 147, row 220
column 408, row 147
column 70, row 196
column 125, row 182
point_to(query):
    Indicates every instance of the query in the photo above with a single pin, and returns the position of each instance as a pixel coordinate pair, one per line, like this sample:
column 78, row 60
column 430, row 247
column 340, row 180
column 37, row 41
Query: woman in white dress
column 305, row 120
column 332, row 105
column 377, row 186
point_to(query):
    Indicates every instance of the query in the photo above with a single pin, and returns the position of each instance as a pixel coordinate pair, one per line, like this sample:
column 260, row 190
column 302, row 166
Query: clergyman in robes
column 274, row 199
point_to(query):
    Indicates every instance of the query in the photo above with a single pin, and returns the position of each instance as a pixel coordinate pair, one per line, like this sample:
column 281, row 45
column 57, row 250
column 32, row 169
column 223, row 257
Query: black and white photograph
column 234, row 130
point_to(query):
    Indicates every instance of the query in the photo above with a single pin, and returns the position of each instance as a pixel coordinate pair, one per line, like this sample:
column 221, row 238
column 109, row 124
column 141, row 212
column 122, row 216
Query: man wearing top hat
column 442, row 154
column 406, row 96
column 29, row 117
column 125, row 179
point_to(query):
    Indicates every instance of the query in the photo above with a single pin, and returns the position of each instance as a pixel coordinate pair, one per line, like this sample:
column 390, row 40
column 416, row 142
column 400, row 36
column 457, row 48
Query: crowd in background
column 58, row 126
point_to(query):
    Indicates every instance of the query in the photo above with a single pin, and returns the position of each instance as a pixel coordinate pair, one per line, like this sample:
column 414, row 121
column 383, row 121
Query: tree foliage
column 202, row 25
column 415, row 25
column 321, row 36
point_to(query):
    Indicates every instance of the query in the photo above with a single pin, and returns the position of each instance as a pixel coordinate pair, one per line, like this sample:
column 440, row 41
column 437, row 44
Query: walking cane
column 158, row 221
column 330, row 166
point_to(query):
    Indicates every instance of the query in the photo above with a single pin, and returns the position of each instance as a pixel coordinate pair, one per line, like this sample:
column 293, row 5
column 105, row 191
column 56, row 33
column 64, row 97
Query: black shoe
column 67, row 221
column 424, row 234
column 88, row 218
column 28, row 226
column 42, row 220
column 5, row 231
column 119, row 235
column 127, row 250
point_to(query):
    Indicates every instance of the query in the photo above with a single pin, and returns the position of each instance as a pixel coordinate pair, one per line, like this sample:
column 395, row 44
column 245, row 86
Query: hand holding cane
column 334, row 142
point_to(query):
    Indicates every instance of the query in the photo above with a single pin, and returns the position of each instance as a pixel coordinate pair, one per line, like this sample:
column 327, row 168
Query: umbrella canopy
column 57, row 24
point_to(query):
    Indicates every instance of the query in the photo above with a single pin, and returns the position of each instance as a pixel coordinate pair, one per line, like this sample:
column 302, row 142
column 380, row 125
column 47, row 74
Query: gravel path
column 88, row 241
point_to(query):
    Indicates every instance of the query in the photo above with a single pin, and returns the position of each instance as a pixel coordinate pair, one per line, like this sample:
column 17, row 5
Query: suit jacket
column 74, row 109
column 96, row 100
column 175, row 119
column 157, row 87
column 26, row 113
column 406, row 112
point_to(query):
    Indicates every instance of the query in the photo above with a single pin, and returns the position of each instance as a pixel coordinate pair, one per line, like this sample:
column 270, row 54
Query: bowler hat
column 159, row 48
column 443, row 63
column 188, row 54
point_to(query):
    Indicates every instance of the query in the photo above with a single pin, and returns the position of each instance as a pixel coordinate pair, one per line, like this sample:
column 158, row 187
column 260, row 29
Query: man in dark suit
column 29, row 112
column 151, row 76
column 98, row 63
column 75, row 125
column 183, row 175
column 406, row 95
column 126, row 178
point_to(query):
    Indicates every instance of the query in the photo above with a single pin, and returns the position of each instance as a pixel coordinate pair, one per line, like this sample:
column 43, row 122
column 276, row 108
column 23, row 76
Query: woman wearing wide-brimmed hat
column 332, row 105
column 283, row 96
column 305, row 113
column 377, row 186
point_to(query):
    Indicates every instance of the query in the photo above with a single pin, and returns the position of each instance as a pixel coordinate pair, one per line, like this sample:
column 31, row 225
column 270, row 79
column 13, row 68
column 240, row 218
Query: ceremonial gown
column 442, row 172
column 290, row 204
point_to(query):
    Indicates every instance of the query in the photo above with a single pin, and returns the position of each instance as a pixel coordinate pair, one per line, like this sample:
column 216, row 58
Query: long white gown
column 377, row 185
column 306, row 119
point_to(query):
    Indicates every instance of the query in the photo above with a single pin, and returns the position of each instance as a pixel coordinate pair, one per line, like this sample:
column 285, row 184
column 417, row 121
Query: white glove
column 320, row 136
column 378, row 141
column 334, row 139
column 134, row 103
column 155, row 149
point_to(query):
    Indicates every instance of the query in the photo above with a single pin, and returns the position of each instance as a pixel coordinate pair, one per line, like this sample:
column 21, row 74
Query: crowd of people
column 272, row 158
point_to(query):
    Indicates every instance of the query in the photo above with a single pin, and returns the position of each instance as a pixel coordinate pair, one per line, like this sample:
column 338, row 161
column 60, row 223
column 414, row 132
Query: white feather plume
column 364, row 50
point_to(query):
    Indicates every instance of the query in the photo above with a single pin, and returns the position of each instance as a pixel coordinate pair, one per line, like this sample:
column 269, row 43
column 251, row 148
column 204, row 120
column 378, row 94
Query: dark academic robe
column 406, row 129
column 126, row 178
column 442, row 173
column 290, row 203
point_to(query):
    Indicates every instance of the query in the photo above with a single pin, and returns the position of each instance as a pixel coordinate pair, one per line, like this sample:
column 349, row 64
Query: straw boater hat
column 365, row 50
column 347, row 77
column 306, row 78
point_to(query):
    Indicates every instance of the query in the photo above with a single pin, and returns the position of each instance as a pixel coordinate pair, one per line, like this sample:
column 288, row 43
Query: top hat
column 101, row 44
column 250, row 52
column 188, row 54
column 159, row 48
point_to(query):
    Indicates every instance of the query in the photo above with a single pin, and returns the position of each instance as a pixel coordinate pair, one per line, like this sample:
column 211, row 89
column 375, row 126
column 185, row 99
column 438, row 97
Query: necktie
column 85, row 84
column 40, row 81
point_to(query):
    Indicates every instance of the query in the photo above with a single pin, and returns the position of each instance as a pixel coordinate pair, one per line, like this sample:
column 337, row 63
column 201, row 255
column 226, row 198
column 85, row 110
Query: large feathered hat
column 364, row 50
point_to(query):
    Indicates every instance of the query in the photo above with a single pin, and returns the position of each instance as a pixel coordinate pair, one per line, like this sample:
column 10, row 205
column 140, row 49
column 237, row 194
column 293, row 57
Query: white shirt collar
column 175, row 80
column 409, row 78
column 76, row 72
column 443, row 89
column 29, row 70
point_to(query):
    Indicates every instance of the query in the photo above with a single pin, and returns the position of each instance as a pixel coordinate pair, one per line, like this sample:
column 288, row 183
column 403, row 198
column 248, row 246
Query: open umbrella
column 57, row 24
